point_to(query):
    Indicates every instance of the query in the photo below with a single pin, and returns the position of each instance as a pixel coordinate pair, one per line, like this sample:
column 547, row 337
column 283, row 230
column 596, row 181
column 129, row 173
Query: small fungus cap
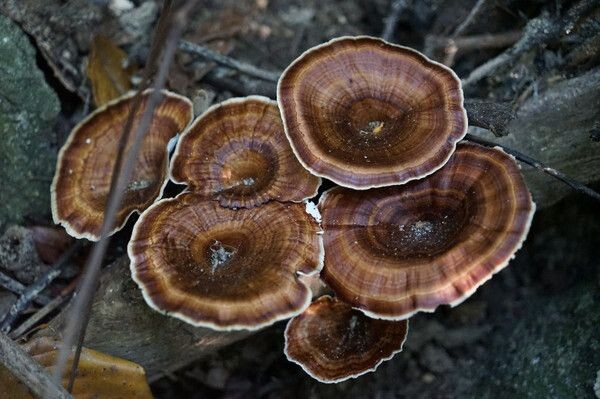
column 85, row 163
column 333, row 342
column 237, row 153
column 222, row 268
column 366, row 113
column 393, row 251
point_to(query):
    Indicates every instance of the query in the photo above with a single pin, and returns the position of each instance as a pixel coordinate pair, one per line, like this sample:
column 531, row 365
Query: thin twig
column 28, row 371
column 460, row 45
column 465, row 44
column 76, row 325
column 32, row 291
column 229, row 62
column 466, row 23
column 16, row 287
column 539, row 166
column 81, row 310
column 40, row 314
column 391, row 20
column 539, row 30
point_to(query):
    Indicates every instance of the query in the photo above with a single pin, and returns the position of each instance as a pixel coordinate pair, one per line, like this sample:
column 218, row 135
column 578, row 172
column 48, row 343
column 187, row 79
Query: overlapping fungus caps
column 237, row 153
column 332, row 342
column 84, row 169
column 222, row 268
column 366, row 113
column 393, row 251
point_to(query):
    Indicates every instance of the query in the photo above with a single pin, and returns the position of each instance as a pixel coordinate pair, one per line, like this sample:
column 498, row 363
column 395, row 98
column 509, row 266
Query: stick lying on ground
column 28, row 371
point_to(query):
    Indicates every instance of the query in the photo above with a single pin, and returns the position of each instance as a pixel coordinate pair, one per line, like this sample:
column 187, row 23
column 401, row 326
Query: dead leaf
column 106, row 69
column 50, row 242
column 99, row 376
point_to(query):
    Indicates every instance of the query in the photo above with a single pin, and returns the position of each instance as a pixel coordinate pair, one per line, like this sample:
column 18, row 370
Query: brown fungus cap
column 237, row 153
column 366, row 113
column 393, row 251
column 85, row 163
column 222, row 268
column 333, row 342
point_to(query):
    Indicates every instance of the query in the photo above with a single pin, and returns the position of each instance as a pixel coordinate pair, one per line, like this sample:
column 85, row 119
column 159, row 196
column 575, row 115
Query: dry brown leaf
column 99, row 376
column 107, row 72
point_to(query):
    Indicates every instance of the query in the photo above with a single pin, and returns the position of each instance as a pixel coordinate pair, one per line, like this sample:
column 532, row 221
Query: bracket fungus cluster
column 420, row 220
column 85, row 163
column 229, row 251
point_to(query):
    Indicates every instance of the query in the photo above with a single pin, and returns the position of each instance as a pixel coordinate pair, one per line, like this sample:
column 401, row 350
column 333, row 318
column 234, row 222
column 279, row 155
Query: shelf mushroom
column 394, row 251
column 222, row 268
column 366, row 113
column 237, row 153
column 333, row 342
column 85, row 163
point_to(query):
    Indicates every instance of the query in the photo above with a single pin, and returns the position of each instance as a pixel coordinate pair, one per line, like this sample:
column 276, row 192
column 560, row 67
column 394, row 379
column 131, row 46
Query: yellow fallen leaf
column 107, row 72
column 99, row 376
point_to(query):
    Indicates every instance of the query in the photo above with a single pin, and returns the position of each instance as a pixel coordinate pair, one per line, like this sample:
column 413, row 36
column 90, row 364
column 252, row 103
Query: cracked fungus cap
column 85, row 163
column 237, row 153
column 366, row 113
column 393, row 251
column 222, row 268
column 333, row 342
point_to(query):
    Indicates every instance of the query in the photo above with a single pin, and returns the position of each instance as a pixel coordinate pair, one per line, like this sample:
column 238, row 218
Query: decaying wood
column 554, row 128
column 492, row 116
column 123, row 325
column 28, row 371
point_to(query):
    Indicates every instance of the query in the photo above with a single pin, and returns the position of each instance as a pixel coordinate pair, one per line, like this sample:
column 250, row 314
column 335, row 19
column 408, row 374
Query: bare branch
column 577, row 186
column 466, row 23
column 40, row 314
column 32, row 291
column 539, row 30
column 392, row 19
column 229, row 62
column 16, row 287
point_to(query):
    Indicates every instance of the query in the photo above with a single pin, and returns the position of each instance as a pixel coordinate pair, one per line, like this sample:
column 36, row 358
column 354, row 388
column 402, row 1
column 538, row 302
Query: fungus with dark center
column 333, row 342
column 222, row 268
column 237, row 153
column 393, row 251
column 366, row 113
column 85, row 163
